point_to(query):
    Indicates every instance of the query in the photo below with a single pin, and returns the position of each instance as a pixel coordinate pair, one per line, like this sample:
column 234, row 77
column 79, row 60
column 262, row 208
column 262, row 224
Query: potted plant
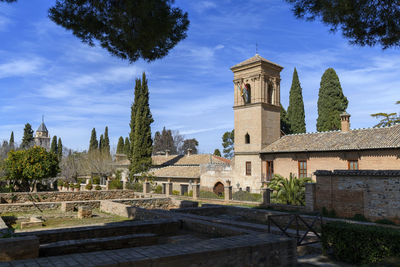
column 89, row 186
column 98, row 187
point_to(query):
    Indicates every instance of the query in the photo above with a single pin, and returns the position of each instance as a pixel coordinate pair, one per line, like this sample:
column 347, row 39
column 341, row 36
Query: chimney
column 189, row 152
column 166, row 152
column 345, row 121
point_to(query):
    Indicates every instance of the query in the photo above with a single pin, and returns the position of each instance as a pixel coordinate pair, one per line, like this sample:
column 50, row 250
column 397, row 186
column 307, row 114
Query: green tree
column 59, row 149
column 228, row 141
column 331, row 102
column 142, row 141
column 217, row 152
column 387, row 119
column 93, row 145
column 137, row 92
column 134, row 29
column 289, row 191
column 11, row 142
column 295, row 111
column 27, row 139
column 127, row 147
column 53, row 146
column 164, row 141
column 190, row 144
column 106, row 142
column 362, row 22
column 101, row 143
column 120, row 145
column 285, row 124
column 24, row 168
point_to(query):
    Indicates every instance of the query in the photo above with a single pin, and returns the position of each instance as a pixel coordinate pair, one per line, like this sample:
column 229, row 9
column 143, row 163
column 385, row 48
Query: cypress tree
column 331, row 102
column 59, row 149
column 53, row 147
column 11, row 143
column 106, row 142
column 101, row 143
column 93, row 145
column 142, row 141
column 138, row 92
column 27, row 139
column 285, row 124
column 120, row 146
column 127, row 147
column 217, row 152
column 295, row 112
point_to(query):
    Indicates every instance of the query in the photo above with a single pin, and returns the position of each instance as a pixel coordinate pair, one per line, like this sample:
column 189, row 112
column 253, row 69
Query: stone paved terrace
column 242, row 250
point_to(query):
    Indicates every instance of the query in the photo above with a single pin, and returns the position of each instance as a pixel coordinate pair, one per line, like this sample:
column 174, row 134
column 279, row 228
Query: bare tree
column 178, row 141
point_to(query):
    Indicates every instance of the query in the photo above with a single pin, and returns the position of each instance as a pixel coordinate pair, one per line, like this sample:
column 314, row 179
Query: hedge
column 361, row 244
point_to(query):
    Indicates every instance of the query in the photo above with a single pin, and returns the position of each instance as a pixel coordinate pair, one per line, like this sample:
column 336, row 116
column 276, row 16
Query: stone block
column 84, row 212
column 18, row 248
column 33, row 222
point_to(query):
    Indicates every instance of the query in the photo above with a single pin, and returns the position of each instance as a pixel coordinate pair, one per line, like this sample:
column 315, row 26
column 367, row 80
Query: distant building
column 42, row 137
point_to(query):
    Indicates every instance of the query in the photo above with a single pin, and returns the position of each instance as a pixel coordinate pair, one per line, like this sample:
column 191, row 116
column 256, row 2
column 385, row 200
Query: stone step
column 97, row 244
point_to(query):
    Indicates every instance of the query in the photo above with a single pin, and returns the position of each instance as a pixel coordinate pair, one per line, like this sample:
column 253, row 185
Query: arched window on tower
column 247, row 138
column 269, row 93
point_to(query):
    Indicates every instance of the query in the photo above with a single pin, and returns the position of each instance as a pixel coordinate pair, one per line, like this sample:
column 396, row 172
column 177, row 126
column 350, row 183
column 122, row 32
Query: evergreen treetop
column 190, row 144
column 137, row 92
column 228, row 141
column 127, row 147
column 331, row 102
column 285, row 124
column 217, row 152
column 106, row 142
column 295, row 112
column 93, row 145
column 11, row 142
column 27, row 139
column 53, row 147
column 164, row 141
column 120, row 145
column 101, row 143
column 59, row 149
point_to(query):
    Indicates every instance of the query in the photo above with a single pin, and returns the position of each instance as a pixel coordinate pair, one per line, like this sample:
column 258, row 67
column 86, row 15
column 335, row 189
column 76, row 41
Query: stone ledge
column 18, row 248
column 389, row 173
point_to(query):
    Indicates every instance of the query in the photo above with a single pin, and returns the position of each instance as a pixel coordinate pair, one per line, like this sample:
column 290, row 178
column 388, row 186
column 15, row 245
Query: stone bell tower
column 257, row 116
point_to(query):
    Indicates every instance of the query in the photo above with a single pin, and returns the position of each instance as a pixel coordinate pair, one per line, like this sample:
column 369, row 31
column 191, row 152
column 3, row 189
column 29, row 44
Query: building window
column 302, row 168
column 352, row 164
column 270, row 170
column 248, row 167
column 247, row 138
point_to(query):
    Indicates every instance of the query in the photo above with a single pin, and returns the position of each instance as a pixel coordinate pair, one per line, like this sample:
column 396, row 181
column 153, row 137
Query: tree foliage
column 363, row 22
column 285, row 124
column 27, row 138
column 228, row 141
column 289, row 191
column 331, row 102
column 190, row 144
column 134, row 29
column 120, row 145
column 387, row 119
column 142, row 143
column 93, row 144
column 53, row 146
column 24, row 168
column 217, row 152
column 59, row 149
column 106, row 146
column 11, row 142
column 164, row 141
column 295, row 111
column 127, row 147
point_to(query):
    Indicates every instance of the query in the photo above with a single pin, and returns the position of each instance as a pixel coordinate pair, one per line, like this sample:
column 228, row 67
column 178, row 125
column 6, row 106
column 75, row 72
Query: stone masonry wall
column 374, row 194
column 65, row 196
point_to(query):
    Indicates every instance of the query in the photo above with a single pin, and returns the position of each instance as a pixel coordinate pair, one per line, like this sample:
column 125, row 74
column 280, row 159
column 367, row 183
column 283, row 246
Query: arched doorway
column 218, row 189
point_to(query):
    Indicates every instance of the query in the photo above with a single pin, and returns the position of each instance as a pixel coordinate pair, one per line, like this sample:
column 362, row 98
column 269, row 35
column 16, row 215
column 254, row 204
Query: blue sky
column 45, row 70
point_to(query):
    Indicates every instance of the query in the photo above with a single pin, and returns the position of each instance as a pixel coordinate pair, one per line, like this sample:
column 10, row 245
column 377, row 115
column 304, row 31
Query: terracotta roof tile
column 177, row 171
column 371, row 138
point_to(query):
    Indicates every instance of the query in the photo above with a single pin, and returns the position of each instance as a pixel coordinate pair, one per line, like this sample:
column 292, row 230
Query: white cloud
column 21, row 67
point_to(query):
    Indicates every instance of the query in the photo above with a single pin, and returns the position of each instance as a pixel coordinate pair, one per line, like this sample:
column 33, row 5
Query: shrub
column 385, row 221
column 60, row 182
column 360, row 244
column 96, row 179
column 290, row 191
column 208, row 194
column 98, row 187
column 115, row 184
column 176, row 192
column 246, row 196
column 360, row 218
column 78, row 186
column 89, row 186
column 137, row 187
column 158, row 189
column 189, row 194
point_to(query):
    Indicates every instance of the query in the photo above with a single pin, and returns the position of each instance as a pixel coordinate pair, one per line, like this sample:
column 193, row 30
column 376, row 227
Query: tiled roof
column 42, row 128
column 371, row 138
column 256, row 58
column 177, row 171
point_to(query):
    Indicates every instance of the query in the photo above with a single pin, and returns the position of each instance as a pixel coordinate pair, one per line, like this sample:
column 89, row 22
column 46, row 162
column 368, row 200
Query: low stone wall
column 159, row 227
column 21, row 197
column 28, row 207
column 119, row 209
column 74, row 205
column 243, row 250
column 18, row 248
column 374, row 194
